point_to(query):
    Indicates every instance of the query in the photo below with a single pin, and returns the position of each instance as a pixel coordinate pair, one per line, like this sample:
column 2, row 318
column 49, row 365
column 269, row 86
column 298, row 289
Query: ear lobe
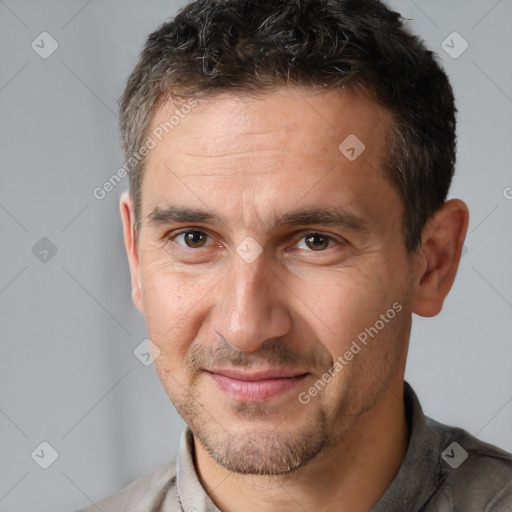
column 442, row 243
column 128, row 219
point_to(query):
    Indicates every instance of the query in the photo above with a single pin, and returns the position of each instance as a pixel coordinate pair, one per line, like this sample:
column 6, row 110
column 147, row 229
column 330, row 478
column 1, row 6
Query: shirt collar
column 418, row 476
column 413, row 485
column 191, row 493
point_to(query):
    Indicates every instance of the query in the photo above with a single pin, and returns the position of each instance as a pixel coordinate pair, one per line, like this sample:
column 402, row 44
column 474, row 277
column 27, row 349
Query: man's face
column 252, row 301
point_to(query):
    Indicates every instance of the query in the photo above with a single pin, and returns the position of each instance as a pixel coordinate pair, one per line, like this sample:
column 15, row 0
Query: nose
column 250, row 306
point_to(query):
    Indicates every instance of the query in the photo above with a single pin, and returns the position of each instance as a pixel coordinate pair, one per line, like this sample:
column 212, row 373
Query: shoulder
column 473, row 474
column 147, row 492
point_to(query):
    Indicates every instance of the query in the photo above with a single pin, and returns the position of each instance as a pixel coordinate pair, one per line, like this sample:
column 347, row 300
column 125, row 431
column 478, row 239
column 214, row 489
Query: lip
column 271, row 373
column 256, row 386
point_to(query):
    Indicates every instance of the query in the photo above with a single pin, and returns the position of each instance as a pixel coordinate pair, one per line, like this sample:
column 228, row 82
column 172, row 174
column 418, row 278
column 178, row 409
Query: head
column 289, row 168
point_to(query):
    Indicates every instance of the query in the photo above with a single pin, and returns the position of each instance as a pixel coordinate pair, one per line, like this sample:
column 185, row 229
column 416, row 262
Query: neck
column 349, row 475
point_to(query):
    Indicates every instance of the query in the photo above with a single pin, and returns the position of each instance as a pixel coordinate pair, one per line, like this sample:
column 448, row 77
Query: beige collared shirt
column 445, row 469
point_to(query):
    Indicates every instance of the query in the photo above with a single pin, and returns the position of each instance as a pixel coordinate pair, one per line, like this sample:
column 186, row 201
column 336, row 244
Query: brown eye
column 193, row 239
column 317, row 241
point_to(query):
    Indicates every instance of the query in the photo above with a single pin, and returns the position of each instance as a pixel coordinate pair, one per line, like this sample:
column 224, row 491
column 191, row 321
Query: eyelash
column 303, row 234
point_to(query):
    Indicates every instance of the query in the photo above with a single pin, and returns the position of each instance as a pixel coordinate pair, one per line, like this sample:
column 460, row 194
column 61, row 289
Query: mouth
column 257, row 386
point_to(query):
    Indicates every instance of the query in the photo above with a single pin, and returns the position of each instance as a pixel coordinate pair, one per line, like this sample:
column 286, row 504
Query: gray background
column 68, row 372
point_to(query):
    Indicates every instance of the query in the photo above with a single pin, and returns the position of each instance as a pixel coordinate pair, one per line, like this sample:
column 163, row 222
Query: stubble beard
column 250, row 451
column 275, row 450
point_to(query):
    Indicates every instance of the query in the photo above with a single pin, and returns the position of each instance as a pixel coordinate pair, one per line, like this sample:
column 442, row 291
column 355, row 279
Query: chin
column 262, row 451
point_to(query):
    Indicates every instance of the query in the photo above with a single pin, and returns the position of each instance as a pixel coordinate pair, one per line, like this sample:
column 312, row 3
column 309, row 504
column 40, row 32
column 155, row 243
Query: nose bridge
column 247, row 290
column 248, row 311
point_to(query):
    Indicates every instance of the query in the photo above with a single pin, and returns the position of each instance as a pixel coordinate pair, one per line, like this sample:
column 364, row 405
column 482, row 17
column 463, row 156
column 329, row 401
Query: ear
column 128, row 218
column 441, row 247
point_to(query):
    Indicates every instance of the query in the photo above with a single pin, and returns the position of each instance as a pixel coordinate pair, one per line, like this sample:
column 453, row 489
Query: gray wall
column 69, row 376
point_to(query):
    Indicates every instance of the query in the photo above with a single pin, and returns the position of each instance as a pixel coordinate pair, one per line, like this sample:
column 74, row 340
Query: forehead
column 290, row 145
column 314, row 121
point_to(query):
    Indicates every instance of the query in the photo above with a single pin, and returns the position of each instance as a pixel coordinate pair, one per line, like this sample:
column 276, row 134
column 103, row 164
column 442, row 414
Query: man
column 287, row 213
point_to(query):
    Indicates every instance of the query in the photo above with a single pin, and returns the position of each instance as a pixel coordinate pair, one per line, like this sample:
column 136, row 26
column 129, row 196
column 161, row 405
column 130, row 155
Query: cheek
column 168, row 291
column 343, row 302
column 165, row 307
column 176, row 306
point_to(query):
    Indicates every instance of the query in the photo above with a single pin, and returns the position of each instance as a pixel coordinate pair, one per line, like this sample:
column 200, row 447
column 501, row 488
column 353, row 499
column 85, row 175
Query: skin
column 298, row 305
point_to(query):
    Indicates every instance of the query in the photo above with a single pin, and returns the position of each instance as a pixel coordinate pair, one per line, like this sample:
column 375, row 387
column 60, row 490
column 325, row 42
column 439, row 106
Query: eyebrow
column 337, row 217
